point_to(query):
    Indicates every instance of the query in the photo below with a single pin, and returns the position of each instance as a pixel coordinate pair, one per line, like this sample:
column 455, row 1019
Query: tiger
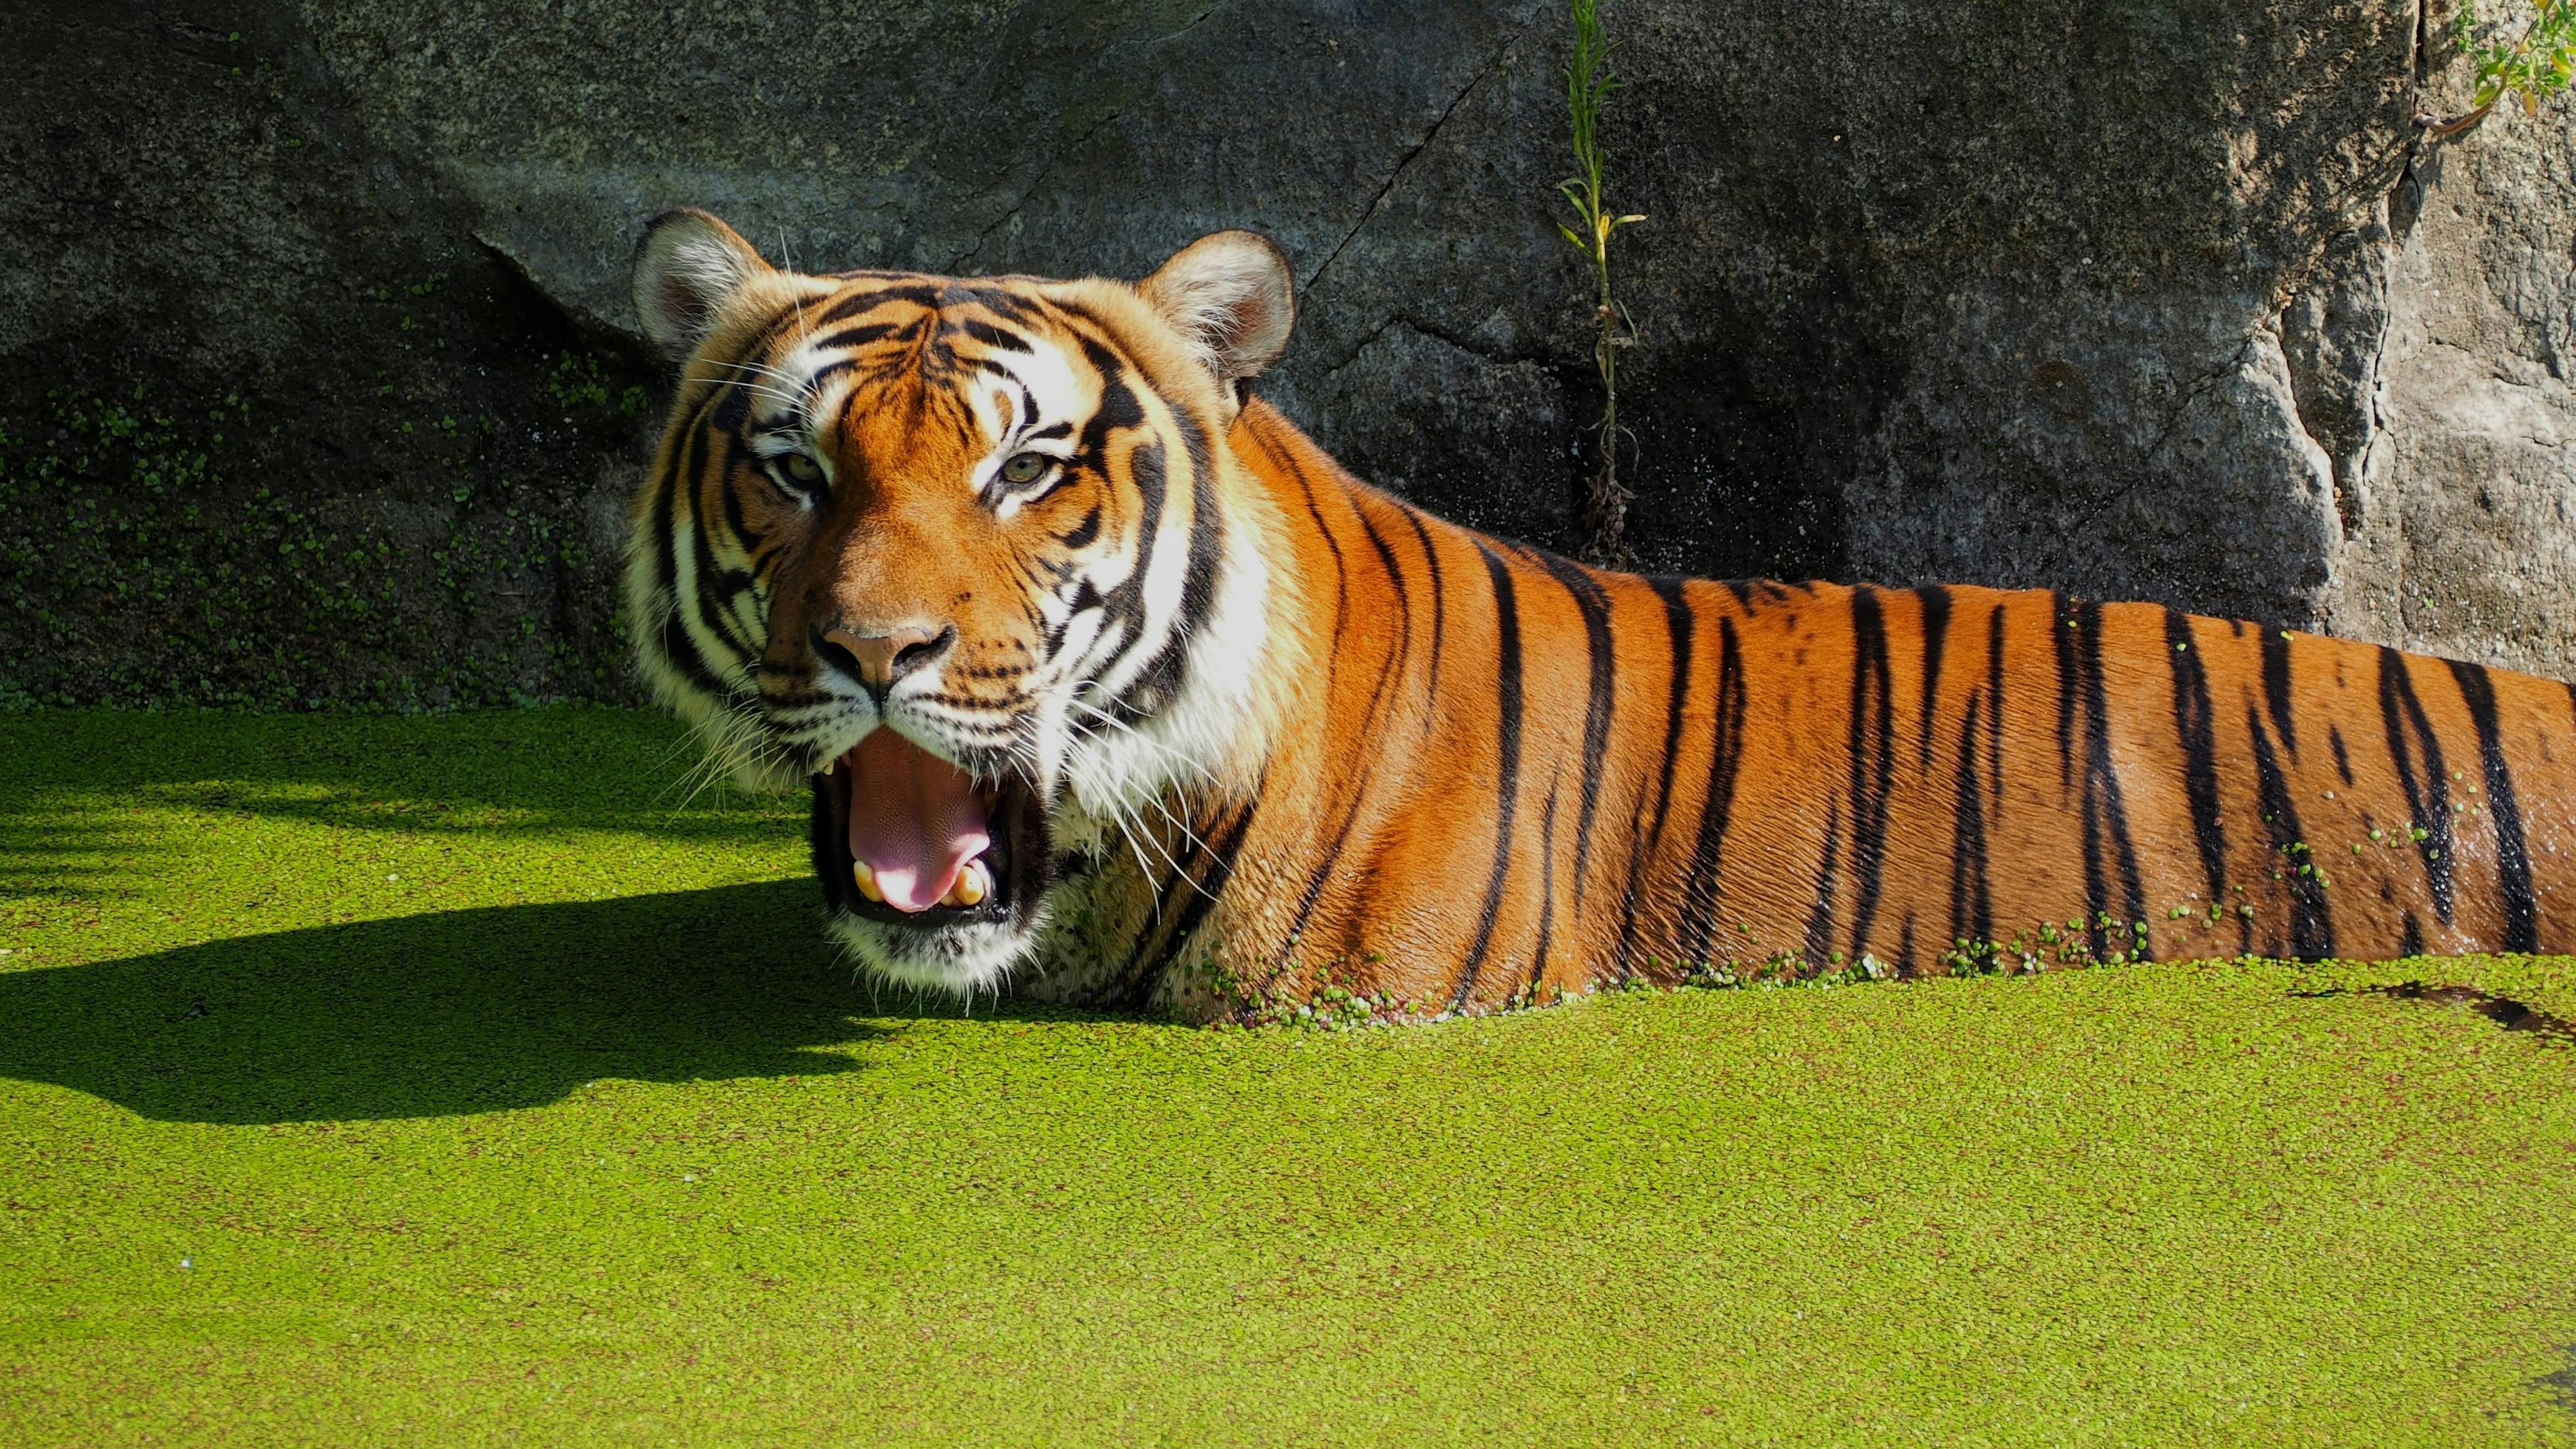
column 1109, row 687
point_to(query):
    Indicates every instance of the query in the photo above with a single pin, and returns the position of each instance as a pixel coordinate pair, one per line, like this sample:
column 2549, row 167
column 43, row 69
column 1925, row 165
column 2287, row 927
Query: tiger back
column 1189, row 718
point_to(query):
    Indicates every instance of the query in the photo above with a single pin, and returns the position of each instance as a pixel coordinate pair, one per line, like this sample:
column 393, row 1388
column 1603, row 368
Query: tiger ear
column 1231, row 297
column 688, row 268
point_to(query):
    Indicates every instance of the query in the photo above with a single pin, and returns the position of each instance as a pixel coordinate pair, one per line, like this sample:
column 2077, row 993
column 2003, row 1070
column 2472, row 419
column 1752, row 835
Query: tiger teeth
column 866, row 880
column 974, row 883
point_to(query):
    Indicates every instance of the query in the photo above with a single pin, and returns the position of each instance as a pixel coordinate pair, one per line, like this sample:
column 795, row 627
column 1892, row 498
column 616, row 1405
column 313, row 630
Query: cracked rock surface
column 2161, row 300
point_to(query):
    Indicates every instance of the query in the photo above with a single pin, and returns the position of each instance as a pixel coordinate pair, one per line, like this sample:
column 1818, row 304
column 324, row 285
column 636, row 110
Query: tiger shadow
column 452, row 1012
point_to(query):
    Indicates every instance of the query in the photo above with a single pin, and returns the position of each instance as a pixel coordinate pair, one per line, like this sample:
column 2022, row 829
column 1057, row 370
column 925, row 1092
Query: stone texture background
column 318, row 385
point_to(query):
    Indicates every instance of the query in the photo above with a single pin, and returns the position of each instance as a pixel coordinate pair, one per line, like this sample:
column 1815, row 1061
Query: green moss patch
column 460, row 1079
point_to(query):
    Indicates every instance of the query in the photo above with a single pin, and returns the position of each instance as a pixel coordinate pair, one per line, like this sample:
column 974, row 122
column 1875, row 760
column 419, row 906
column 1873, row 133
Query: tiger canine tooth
column 973, row 884
column 866, row 880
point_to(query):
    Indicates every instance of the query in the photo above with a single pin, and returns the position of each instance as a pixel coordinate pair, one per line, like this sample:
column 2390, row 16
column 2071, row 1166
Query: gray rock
column 2166, row 300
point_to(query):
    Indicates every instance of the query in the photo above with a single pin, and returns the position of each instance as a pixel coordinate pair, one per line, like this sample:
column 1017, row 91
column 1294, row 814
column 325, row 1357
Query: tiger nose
column 881, row 659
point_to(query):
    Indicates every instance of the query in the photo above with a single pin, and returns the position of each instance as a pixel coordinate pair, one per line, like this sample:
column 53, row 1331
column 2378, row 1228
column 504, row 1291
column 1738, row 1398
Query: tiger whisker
column 1205, row 775
column 759, row 369
column 1120, row 815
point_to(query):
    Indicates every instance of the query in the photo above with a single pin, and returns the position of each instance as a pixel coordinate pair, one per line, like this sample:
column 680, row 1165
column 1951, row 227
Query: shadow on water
column 2504, row 1011
column 461, row 1011
column 92, row 798
column 2562, row 1384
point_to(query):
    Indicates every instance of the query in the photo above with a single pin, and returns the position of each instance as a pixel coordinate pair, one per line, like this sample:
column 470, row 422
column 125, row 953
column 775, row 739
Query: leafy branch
column 1588, row 84
column 2536, row 64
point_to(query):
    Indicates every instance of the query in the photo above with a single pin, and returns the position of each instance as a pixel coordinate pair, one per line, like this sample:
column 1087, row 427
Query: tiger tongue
column 915, row 819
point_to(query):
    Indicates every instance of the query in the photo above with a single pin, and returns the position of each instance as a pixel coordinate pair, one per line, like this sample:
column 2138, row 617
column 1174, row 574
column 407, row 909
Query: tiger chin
column 1109, row 686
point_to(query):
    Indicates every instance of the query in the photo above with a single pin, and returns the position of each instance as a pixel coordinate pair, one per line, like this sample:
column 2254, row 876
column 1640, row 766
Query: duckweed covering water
column 452, row 1080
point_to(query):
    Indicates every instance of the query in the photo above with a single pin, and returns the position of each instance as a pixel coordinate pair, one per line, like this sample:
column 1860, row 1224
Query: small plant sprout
column 1588, row 84
column 2534, row 65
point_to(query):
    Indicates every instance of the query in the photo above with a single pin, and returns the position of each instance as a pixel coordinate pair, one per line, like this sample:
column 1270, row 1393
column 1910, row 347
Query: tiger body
column 1247, row 730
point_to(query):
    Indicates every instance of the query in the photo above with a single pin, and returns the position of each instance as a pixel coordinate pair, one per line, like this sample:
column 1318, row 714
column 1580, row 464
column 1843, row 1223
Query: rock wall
column 318, row 384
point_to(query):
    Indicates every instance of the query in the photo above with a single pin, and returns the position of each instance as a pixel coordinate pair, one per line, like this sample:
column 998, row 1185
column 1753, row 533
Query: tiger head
column 971, row 556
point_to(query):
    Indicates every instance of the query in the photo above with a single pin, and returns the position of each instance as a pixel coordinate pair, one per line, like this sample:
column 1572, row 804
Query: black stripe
column 1546, row 889
column 997, row 338
column 860, row 336
column 2428, row 801
column 2343, row 757
column 1360, row 503
column 693, row 458
column 1331, row 859
column 1387, row 672
column 1593, row 603
column 1871, row 757
column 1995, row 703
column 879, row 369
column 1936, row 638
column 1321, row 876
column 2276, row 688
column 1646, row 847
column 1341, row 571
column 1159, row 683
column 733, row 399
column 1431, row 558
column 848, row 307
column 1507, row 706
column 717, row 586
column 1133, row 980
column 2311, row 929
column 1972, row 910
column 1211, row 884
column 2106, row 818
column 2513, row 855
column 923, row 294
column 1725, row 758
column 735, row 392
column 1820, row 919
column 1391, row 666
column 739, row 459
column 681, row 652
column 2196, row 725
column 1118, row 411
column 1116, row 982
column 998, row 299
column 677, row 648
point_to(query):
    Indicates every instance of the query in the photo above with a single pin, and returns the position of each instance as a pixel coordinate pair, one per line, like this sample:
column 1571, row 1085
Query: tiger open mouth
column 908, row 839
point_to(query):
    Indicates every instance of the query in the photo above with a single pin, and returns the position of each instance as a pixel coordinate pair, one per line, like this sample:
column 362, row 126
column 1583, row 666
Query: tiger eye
column 804, row 469
column 1023, row 467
